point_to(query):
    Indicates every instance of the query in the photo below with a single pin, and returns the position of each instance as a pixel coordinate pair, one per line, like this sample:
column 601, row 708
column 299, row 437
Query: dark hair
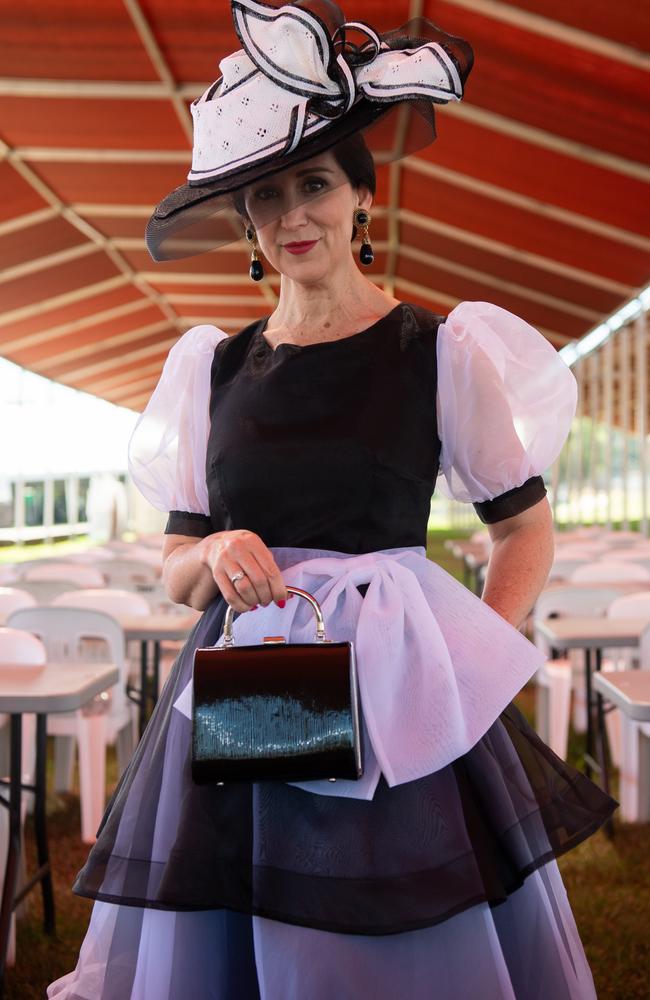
column 352, row 156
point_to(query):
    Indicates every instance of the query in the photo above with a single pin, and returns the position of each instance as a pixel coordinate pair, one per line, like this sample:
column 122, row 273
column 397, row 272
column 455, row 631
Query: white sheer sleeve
column 167, row 450
column 506, row 400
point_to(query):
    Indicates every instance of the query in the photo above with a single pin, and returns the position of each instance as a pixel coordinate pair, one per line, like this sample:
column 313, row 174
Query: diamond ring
column 237, row 576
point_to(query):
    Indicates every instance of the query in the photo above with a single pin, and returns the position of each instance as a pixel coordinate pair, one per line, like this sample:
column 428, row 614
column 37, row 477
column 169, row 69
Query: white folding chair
column 44, row 591
column 11, row 599
column 610, row 571
column 19, row 647
column 563, row 568
column 129, row 573
column 634, row 605
column 120, row 604
column 556, row 679
column 82, row 576
column 71, row 635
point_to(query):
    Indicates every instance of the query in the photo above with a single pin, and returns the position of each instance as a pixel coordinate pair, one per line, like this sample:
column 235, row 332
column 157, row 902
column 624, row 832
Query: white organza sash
column 436, row 665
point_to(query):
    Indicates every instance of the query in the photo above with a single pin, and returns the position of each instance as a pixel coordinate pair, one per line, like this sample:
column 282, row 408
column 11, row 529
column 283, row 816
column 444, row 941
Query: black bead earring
column 256, row 270
column 362, row 219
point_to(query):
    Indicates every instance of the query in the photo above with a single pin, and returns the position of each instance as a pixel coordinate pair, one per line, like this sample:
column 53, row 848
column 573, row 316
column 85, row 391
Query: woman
column 304, row 451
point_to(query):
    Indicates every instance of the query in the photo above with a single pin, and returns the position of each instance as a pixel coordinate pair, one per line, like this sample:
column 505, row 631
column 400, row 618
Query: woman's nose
column 294, row 213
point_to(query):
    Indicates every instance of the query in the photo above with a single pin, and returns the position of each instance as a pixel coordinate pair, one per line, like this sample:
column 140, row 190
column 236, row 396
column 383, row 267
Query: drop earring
column 256, row 270
column 362, row 219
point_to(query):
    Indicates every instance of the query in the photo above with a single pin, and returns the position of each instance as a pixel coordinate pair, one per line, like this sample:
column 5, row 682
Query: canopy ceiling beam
column 561, row 32
column 523, row 291
column 101, row 385
column 515, row 253
column 118, row 394
column 550, row 140
column 130, row 356
column 67, row 298
column 89, row 231
column 514, row 198
column 438, row 297
column 160, row 64
column 29, row 219
column 63, row 154
column 50, row 260
column 86, row 350
column 76, row 326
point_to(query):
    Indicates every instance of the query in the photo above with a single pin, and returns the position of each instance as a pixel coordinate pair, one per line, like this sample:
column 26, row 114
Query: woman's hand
column 227, row 553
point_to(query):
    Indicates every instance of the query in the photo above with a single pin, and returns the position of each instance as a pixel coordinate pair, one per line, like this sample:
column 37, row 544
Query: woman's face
column 310, row 204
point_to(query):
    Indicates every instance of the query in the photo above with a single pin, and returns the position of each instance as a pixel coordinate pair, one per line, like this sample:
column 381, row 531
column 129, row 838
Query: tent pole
column 640, row 342
column 624, row 418
column 580, row 457
column 608, row 405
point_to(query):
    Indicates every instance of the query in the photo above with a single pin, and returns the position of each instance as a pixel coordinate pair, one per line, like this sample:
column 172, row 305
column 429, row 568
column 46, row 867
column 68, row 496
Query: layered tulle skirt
column 443, row 886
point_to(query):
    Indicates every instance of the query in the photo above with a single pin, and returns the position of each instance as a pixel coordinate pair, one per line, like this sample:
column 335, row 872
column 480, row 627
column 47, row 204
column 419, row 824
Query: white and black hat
column 297, row 87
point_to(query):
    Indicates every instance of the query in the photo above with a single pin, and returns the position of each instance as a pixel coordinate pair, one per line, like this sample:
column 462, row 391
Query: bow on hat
column 292, row 79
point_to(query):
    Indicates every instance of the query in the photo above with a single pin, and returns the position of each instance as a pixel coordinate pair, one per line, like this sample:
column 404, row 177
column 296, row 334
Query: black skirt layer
column 412, row 857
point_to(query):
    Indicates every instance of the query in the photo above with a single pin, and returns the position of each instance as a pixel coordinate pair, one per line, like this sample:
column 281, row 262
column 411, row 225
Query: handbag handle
column 228, row 639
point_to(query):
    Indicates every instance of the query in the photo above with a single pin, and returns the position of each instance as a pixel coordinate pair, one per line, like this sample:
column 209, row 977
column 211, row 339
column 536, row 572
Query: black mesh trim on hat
column 512, row 502
column 200, row 216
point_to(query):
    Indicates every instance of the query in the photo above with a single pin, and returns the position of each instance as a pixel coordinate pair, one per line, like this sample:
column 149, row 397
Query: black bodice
column 333, row 445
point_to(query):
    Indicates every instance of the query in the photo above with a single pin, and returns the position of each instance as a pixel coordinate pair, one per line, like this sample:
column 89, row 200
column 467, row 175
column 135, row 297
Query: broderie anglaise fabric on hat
column 297, row 87
column 288, row 82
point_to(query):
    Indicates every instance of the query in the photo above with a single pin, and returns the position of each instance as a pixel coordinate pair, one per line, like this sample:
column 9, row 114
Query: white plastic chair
column 112, row 601
column 634, row 772
column 635, row 605
column 19, row 647
column 638, row 552
column 91, row 557
column 609, row 571
column 556, row 679
column 129, row 573
column 8, row 575
column 11, row 599
column 44, row 591
column 109, row 720
column 82, row 576
column 120, row 604
column 563, row 568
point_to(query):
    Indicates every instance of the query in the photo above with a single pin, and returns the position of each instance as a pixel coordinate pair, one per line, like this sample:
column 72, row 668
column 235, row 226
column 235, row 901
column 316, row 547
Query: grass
column 608, row 883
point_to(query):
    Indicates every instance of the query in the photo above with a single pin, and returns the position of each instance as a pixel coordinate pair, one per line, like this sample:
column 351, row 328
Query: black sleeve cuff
column 513, row 502
column 182, row 522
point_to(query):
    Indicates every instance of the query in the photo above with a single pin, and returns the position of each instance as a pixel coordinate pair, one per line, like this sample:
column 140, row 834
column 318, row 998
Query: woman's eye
column 314, row 184
column 265, row 193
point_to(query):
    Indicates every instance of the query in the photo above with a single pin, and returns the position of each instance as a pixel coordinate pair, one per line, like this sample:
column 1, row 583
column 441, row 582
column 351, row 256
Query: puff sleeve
column 167, row 450
column 505, row 404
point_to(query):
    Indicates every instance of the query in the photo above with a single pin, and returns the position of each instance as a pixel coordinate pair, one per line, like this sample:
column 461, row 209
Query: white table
column 56, row 687
column 154, row 629
column 592, row 635
column 629, row 691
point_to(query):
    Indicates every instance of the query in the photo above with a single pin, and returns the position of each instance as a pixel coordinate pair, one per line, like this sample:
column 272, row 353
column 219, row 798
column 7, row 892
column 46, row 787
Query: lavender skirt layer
column 303, row 896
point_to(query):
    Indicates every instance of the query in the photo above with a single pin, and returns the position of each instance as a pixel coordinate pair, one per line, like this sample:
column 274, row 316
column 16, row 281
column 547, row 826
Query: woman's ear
column 365, row 197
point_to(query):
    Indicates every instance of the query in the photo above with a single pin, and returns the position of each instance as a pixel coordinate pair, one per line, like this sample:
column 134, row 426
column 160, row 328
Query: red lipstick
column 300, row 247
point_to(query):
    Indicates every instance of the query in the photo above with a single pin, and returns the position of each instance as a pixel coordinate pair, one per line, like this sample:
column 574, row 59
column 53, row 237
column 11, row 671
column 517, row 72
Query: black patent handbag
column 276, row 711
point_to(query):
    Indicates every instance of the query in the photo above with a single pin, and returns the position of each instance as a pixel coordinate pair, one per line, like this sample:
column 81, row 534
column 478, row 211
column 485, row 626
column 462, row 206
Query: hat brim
column 193, row 219
column 199, row 217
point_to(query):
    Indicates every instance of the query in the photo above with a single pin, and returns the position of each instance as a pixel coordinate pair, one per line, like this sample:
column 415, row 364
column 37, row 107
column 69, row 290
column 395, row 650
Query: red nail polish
column 254, row 608
column 280, row 604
